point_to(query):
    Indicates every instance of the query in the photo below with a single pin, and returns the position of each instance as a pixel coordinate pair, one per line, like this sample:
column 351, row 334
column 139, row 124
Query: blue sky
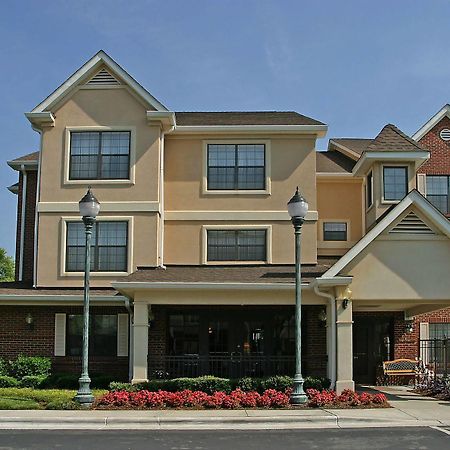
column 353, row 64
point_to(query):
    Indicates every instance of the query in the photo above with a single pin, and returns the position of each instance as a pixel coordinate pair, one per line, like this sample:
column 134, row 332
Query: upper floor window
column 237, row 245
column 369, row 189
column 236, row 167
column 438, row 190
column 395, row 182
column 108, row 247
column 335, row 231
column 99, row 155
column 102, row 335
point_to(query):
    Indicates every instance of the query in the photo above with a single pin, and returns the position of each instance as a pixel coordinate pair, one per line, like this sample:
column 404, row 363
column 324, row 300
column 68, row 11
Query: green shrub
column 100, row 381
column 119, row 386
column 247, row 384
column 318, row 383
column 3, row 367
column 63, row 404
column 208, row 384
column 62, row 381
column 277, row 382
column 8, row 382
column 24, row 366
column 33, row 381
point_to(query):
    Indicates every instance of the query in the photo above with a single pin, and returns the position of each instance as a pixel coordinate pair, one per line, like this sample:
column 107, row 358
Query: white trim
column 368, row 158
column 319, row 130
column 22, row 222
column 19, row 299
column 311, row 216
column 122, row 334
column 267, row 167
column 426, row 127
column 60, row 335
column 130, row 243
column 18, row 164
column 106, row 207
column 85, row 71
column 395, row 165
column 321, row 233
column 40, row 120
column 338, row 175
column 36, row 212
column 132, row 170
column 421, row 180
column 164, row 117
column 205, row 228
column 345, row 150
column 413, row 198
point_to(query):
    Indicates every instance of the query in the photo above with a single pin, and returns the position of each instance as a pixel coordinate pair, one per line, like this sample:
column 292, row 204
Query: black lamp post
column 89, row 209
column 297, row 209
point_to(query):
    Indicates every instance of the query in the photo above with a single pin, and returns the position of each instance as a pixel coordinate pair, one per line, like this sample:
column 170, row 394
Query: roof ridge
column 405, row 136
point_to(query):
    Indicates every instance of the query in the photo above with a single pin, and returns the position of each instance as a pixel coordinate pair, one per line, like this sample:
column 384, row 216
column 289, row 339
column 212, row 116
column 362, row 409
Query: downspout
column 161, row 200
column 332, row 301
column 131, row 334
column 22, row 220
column 36, row 212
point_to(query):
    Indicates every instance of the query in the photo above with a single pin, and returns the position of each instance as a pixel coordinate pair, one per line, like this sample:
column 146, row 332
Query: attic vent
column 445, row 134
column 103, row 78
column 411, row 224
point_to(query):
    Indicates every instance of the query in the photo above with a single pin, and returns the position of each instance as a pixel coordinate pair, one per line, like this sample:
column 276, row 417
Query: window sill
column 94, row 182
column 390, row 202
column 236, row 263
column 236, row 192
column 96, row 274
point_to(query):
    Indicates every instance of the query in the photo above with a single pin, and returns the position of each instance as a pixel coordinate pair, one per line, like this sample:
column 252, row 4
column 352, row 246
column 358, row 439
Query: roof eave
column 344, row 150
column 424, row 129
column 22, row 164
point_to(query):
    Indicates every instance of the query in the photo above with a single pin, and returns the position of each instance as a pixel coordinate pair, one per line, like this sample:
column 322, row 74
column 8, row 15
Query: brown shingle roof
column 356, row 145
column 391, row 139
column 333, row 162
column 29, row 157
column 207, row 118
column 230, row 274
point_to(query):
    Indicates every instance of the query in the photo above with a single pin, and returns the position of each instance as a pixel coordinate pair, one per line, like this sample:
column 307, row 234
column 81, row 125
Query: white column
column 140, row 342
column 344, row 324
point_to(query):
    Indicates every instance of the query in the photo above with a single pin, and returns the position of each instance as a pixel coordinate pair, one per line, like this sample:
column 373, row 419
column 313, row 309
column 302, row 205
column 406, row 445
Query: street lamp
column 297, row 209
column 89, row 209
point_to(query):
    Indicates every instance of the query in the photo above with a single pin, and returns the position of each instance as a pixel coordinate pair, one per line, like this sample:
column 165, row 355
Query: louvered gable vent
column 411, row 224
column 103, row 78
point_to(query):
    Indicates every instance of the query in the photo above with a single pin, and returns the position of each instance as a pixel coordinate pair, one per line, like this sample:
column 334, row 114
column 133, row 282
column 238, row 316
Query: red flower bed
column 236, row 399
column 345, row 399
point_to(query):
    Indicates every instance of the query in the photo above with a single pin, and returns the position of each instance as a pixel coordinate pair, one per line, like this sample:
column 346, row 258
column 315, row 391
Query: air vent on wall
column 445, row 134
column 103, row 78
column 411, row 224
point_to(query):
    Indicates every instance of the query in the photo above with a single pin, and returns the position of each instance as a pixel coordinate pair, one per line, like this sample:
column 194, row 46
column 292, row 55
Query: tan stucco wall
column 184, row 241
column 103, row 107
column 402, row 269
column 379, row 206
column 292, row 163
column 339, row 200
column 142, row 238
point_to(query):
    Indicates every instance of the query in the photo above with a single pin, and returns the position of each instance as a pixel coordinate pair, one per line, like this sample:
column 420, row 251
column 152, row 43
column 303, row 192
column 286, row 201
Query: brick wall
column 439, row 162
column 30, row 208
column 16, row 338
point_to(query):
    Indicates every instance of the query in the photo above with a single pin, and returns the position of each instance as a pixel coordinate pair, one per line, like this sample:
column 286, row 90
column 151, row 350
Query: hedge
column 24, row 366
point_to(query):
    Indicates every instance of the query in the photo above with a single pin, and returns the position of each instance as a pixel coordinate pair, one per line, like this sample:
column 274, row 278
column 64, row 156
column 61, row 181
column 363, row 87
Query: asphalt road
column 362, row 438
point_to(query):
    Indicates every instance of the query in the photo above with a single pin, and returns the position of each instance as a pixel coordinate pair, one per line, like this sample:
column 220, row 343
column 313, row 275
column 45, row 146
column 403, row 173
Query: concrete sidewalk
column 408, row 410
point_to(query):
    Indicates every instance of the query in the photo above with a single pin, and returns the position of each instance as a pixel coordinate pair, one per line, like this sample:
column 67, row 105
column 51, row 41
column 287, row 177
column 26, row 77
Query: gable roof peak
column 427, row 126
column 392, row 139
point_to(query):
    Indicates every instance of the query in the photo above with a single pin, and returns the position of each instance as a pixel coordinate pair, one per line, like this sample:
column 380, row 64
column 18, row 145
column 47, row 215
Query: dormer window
column 395, row 182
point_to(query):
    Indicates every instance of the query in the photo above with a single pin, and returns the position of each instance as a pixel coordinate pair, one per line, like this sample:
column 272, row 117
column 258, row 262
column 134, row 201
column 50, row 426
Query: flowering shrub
column 346, row 398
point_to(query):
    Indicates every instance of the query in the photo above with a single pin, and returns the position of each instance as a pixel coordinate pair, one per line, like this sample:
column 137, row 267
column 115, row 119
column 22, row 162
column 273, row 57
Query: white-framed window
column 395, row 183
column 236, row 166
column 438, row 192
column 111, row 246
column 334, row 231
column 237, row 244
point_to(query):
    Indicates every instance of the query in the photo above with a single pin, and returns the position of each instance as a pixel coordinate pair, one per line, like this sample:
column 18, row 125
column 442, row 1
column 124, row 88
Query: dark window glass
column 284, row 334
column 439, row 330
column 184, row 334
column 108, row 247
column 395, row 180
column 102, row 335
column 218, row 335
column 240, row 166
column 237, row 245
column 98, row 155
column 438, row 189
column 369, row 189
column 334, row 231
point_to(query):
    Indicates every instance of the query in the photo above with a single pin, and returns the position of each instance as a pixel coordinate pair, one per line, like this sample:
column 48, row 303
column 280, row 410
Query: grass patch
column 28, row 398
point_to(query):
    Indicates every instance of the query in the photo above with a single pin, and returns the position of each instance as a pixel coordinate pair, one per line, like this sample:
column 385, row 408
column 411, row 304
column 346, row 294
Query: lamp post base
column 84, row 395
column 298, row 396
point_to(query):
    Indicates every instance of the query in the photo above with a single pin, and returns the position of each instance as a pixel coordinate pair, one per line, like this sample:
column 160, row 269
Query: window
column 102, row 335
column 99, row 155
column 334, row 231
column 236, row 167
column 236, row 245
column 369, row 189
column 438, row 189
column 439, row 330
column 184, row 334
column 108, row 247
column 395, row 182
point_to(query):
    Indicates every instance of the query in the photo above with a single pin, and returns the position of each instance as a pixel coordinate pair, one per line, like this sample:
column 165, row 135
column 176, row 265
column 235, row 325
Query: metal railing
column 233, row 365
column 434, row 356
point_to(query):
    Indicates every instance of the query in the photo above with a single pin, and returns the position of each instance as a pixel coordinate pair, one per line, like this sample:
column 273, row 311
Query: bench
column 400, row 367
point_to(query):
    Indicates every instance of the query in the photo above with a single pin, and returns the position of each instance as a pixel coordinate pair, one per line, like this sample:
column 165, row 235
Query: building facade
column 192, row 266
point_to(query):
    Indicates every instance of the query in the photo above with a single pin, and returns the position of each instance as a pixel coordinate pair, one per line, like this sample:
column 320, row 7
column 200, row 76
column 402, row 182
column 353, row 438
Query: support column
column 331, row 344
column 140, row 342
column 344, row 323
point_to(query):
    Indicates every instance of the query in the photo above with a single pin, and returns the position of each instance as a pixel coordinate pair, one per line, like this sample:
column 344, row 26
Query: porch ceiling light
column 89, row 205
column 297, row 206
